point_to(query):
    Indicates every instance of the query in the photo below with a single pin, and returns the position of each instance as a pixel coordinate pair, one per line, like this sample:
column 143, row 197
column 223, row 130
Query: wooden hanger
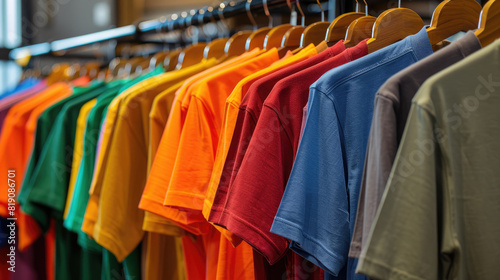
column 132, row 64
column 394, row 25
column 274, row 37
column 291, row 38
column 215, row 48
column 91, row 70
column 360, row 29
column 171, row 60
column 58, row 73
column 452, row 16
column 338, row 28
column 236, row 44
column 157, row 58
column 258, row 36
column 191, row 55
column 489, row 23
column 315, row 33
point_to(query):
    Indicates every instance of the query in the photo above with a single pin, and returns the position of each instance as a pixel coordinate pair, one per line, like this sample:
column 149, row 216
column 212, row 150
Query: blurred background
column 27, row 22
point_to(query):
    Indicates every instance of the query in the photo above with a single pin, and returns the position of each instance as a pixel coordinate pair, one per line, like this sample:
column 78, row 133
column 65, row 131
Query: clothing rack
column 136, row 32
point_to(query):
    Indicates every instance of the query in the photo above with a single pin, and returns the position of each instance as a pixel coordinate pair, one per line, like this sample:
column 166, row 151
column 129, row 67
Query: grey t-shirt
column 392, row 104
column 439, row 217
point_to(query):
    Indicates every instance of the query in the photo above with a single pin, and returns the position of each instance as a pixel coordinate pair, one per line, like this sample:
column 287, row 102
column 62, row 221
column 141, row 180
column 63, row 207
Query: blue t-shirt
column 318, row 208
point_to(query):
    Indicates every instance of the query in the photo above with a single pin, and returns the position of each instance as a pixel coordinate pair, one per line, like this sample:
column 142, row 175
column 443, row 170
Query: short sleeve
column 256, row 192
column 119, row 224
column 314, row 211
column 404, row 238
column 51, row 176
column 195, row 158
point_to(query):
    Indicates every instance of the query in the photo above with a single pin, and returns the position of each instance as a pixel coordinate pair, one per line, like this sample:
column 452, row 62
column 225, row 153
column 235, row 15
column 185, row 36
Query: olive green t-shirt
column 439, row 217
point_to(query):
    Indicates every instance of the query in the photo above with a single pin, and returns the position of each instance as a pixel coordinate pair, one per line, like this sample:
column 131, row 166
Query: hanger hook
column 301, row 13
column 366, row 8
column 322, row 12
column 357, row 6
column 249, row 14
column 399, row 3
column 266, row 11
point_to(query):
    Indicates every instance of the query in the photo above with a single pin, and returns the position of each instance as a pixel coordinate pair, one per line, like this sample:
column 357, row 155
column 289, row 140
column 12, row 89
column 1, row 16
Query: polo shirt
column 249, row 112
column 392, row 105
column 322, row 192
column 161, row 169
column 438, row 218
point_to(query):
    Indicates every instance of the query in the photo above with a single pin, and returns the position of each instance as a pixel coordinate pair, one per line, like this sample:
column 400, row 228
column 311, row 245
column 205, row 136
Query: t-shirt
column 105, row 132
column 157, row 184
column 164, row 255
column 118, row 227
column 269, row 158
column 322, row 192
column 77, row 151
column 438, row 218
column 231, row 114
column 392, row 104
column 43, row 128
column 248, row 114
column 74, row 218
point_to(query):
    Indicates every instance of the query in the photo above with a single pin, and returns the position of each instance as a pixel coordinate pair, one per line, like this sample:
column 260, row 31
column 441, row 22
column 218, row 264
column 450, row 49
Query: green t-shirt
column 439, row 215
column 43, row 128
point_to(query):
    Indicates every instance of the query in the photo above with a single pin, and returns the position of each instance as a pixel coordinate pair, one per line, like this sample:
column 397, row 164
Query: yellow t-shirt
column 122, row 176
column 156, row 187
column 78, row 149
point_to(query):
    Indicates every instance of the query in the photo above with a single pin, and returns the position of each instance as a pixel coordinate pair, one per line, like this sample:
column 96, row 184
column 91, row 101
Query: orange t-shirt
column 194, row 163
column 229, row 122
column 16, row 142
column 154, row 192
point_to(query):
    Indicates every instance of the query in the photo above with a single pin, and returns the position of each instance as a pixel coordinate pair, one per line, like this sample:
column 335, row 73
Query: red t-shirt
column 254, row 196
column 250, row 109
